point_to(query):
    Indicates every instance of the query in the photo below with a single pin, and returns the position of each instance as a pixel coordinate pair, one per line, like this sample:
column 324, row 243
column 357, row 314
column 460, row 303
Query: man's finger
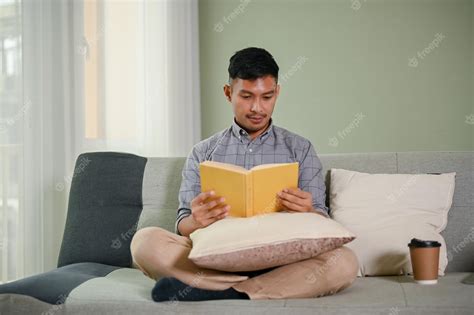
column 203, row 196
column 292, row 206
column 211, row 204
column 291, row 198
column 202, row 211
column 296, row 192
column 217, row 211
column 208, row 222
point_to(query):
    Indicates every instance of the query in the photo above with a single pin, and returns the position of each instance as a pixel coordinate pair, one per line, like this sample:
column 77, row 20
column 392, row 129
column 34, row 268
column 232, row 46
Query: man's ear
column 228, row 92
column 277, row 90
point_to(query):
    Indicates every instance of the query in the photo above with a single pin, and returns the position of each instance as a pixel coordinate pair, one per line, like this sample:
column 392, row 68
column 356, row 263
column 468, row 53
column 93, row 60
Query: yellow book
column 249, row 192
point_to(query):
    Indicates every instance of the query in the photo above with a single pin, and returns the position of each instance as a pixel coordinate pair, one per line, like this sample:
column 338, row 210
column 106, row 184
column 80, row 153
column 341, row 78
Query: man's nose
column 256, row 106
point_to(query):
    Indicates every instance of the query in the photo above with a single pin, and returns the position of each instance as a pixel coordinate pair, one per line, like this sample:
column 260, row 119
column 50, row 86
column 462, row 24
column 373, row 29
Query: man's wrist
column 187, row 225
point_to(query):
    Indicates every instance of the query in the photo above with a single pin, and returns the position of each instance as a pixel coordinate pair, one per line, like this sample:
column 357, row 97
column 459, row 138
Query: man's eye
column 267, row 97
column 246, row 96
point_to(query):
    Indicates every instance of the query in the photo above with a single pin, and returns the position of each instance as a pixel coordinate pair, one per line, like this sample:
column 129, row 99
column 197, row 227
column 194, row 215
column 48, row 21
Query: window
column 11, row 114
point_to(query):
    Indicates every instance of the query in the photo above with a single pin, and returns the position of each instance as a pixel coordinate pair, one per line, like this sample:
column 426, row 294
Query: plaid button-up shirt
column 233, row 145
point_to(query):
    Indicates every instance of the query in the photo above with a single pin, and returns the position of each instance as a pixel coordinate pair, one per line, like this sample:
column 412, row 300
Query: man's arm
column 187, row 225
column 204, row 211
column 197, row 209
column 311, row 192
column 311, row 180
column 190, row 188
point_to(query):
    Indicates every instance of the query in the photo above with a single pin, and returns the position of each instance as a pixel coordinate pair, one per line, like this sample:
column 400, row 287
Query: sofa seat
column 368, row 295
column 130, row 192
column 127, row 291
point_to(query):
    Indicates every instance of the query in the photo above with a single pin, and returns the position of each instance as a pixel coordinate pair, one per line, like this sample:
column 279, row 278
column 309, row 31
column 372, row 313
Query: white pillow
column 265, row 241
column 386, row 211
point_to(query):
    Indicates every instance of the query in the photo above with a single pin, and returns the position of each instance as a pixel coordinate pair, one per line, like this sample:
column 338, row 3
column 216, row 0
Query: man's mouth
column 256, row 119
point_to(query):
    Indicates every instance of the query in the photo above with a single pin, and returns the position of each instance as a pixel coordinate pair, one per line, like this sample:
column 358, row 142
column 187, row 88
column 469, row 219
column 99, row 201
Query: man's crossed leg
column 159, row 253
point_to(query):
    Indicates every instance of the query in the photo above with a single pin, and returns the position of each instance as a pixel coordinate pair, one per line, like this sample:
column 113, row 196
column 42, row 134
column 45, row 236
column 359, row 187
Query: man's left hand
column 295, row 199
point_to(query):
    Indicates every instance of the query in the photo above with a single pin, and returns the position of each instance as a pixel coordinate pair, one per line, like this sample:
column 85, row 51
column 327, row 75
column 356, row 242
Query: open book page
column 227, row 182
column 268, row 180
column 248, row 192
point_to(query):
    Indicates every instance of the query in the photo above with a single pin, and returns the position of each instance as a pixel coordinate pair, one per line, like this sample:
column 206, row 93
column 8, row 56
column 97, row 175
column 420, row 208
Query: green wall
column 472, row 72
column 345, row 58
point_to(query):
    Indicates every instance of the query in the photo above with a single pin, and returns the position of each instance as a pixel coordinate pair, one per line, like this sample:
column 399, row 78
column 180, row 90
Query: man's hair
column 252, row 63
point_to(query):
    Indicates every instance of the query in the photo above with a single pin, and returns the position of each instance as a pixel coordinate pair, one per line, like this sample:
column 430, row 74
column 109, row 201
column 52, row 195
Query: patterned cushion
column 260, row 242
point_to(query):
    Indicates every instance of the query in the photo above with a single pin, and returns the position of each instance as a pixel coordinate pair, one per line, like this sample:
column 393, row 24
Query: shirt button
column 250, row 150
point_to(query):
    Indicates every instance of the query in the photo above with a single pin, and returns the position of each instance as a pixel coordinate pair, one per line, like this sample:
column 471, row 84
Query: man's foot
column 171, row 289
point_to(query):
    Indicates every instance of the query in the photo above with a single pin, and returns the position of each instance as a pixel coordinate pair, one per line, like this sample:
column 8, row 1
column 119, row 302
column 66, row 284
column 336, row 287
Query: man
column 251, row 140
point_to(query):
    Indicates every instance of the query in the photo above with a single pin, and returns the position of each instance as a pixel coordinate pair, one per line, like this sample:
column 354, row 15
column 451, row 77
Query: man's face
column 253, row 102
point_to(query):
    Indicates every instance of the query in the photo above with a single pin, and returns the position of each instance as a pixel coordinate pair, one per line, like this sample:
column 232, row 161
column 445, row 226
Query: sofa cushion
column 459, row 233
column 105, row 203
column 161, row 182
column 54, row 286
column 386, row 211
column 265, row 241
column 163, row 176
column 127, row 291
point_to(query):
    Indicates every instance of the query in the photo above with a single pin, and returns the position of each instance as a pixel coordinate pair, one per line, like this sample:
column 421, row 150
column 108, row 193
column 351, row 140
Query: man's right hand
column 204, row 211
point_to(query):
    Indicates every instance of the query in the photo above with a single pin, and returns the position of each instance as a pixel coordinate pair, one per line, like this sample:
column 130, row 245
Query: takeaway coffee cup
column 424, row 260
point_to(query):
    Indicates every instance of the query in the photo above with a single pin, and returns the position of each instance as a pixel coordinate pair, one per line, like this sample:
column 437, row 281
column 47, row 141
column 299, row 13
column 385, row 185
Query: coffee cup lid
column 421, row 243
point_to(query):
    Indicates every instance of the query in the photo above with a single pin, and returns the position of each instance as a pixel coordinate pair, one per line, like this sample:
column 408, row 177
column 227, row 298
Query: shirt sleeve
column 190, row 185
column 310, row 179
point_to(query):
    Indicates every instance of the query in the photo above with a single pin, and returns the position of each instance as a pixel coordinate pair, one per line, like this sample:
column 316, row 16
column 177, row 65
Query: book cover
column 249, row 192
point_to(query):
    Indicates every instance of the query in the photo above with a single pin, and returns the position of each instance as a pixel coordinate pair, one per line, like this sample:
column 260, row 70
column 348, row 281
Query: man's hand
column 203, row 212
column 296, row 200
column 207, row 208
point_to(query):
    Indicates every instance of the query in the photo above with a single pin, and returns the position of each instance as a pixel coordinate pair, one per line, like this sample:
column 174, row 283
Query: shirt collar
column 240, row 132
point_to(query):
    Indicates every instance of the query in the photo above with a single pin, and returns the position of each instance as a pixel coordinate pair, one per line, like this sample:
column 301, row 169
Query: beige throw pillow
column 386, row 211
column 270, row 240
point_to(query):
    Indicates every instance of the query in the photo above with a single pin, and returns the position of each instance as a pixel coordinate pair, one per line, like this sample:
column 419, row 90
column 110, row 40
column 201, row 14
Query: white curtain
column 83, row 76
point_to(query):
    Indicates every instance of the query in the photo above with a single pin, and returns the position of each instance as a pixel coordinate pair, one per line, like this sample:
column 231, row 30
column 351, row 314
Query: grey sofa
column 114, row 194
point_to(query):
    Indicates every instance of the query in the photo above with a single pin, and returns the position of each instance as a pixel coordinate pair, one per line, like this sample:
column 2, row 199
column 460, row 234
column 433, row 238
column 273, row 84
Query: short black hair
column 252, row 63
